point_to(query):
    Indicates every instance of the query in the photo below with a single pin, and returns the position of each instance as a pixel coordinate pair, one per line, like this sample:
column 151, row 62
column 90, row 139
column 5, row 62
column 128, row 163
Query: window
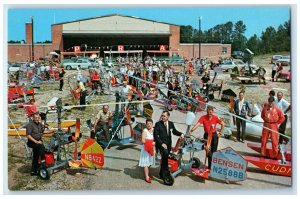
column 224, row 50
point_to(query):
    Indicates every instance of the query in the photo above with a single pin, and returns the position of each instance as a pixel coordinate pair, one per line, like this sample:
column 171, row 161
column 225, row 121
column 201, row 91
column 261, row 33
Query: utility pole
column 32, row 42
column 200, row 18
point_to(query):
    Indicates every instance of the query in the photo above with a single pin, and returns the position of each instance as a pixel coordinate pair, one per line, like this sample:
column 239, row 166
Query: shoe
column 33, row 173
column 149, row 180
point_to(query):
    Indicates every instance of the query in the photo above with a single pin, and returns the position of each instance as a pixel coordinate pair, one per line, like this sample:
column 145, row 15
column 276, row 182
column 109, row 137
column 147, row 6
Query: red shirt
column 207, row 123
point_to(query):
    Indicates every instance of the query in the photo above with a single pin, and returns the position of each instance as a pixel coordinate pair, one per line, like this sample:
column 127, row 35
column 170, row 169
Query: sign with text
column 120, row 48
column 228, row 165
column 76, row 49
column 162, row 47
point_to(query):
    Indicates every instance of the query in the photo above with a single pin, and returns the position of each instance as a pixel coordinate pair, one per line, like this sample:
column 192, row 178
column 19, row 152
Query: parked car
column 275, row 58
column 82, row 63
column 14, row 67
column 228, row 65
column 285, row 60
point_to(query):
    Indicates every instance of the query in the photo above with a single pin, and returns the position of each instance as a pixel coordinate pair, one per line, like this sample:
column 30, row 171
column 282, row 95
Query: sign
column 120, row 48
column 228, row 165
column 162, row 47
column 77, row 49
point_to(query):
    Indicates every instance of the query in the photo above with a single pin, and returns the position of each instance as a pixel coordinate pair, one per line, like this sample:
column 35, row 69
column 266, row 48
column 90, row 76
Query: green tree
column 238, row 38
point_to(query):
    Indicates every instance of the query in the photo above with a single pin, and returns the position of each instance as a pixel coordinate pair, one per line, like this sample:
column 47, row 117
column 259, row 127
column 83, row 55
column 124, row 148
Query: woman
column 147, row 156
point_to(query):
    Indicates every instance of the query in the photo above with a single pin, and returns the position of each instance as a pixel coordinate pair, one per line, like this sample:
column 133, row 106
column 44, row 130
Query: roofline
column 85, row 19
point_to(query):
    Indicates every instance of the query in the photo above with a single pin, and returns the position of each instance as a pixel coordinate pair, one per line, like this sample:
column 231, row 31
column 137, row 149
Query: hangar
column 114, row 34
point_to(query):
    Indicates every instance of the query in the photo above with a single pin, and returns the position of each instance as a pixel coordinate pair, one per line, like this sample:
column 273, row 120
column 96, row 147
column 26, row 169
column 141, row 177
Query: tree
column 238, row 38
column 186, row 34
column 254, row 44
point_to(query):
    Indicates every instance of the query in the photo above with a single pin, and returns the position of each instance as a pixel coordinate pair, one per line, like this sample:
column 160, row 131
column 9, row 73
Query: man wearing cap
column 272, row 117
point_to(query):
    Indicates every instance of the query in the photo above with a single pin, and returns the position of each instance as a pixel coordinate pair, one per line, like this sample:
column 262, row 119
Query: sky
column 256, row 18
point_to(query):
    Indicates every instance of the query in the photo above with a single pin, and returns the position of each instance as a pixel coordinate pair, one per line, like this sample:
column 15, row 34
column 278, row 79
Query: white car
column 228, row 65
column 81, row 63
column 285, row 60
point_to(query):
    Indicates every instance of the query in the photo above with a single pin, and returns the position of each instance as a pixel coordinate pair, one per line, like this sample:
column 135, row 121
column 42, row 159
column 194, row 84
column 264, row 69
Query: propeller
column 76, row 137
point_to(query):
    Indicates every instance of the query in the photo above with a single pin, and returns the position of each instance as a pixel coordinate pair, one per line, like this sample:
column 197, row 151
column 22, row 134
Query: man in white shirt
column 124, row 90
column 284, row 106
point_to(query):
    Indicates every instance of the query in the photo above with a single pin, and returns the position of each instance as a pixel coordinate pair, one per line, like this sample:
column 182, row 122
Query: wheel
column 68, row 67
column 44, row 173
column 196, row 163
column 227, row 136
column 211, row 96
column 249, row 81
column 168, row 178
column 243, row 81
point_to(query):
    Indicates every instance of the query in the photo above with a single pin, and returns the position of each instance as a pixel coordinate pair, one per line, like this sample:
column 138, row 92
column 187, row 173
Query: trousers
column 274, row 139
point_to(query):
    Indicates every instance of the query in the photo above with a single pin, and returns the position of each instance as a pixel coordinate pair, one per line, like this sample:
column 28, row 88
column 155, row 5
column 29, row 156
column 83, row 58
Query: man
column 284, row 106
column 34, row 133
column 241, row 108
column 102, row 121
column 272, row 117
column 274, row 70
column 61, row 78
column 125, row 89
column 261, row 74
column 163, row 140
column 81, row 89
column 205, row 78
column 210, row 122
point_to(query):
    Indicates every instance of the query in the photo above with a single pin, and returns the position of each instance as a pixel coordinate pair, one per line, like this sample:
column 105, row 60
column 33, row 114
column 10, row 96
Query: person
column 274, row 70
column 210, row 122
column 278, row 72
column 241, row 108
column 125, row 89
column 285, row 107
column 205, row 77
column 261, row 74
column 61, row 78
column 102, row 121
column 147, row 155
column 34, row 133
column 163, row 140
column 272, row 117
column 81, row 89
column 31, row 108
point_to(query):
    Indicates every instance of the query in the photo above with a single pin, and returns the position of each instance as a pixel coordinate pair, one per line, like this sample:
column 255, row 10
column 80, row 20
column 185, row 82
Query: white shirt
column 282, row 104
column 274, row 67
column 125, row 90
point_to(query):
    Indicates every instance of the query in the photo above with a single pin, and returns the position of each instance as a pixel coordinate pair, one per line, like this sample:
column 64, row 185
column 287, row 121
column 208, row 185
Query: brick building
column 116, row 33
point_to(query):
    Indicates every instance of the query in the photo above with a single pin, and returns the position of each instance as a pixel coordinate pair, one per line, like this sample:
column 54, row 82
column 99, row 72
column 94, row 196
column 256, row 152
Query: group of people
column 159, row 137
column 274, row 115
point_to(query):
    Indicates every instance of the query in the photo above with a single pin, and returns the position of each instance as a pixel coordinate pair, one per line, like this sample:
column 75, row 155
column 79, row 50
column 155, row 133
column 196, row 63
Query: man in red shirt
column 272, row 117
column 210, row 122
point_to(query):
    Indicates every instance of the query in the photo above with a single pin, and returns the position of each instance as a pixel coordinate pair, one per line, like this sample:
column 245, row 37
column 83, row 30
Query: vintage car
column 275, row 58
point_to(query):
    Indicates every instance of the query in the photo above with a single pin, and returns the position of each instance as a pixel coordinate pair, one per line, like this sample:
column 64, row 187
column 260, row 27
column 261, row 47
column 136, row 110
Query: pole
column 32, row 45
column 200, row 18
